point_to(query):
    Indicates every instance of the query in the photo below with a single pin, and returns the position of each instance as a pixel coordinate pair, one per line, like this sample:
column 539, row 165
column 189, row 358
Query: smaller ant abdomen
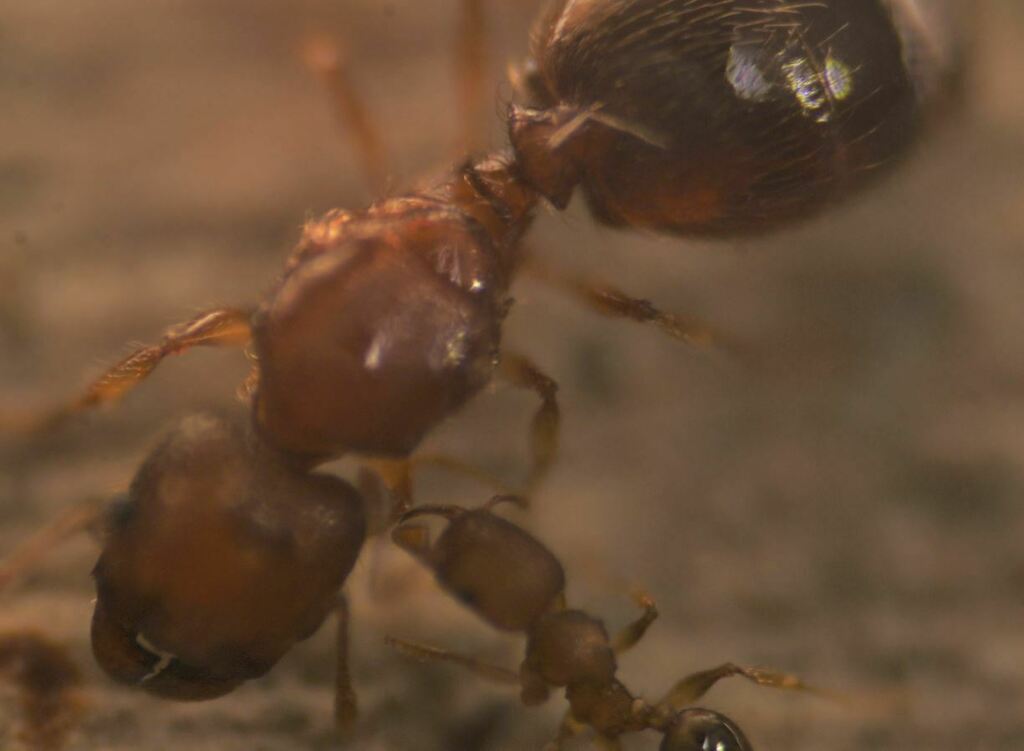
column 385, row 323
column 222, row 559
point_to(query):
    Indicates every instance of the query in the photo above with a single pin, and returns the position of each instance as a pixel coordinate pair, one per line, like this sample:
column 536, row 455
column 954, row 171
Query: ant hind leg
column 329, row 62
column 609, row 300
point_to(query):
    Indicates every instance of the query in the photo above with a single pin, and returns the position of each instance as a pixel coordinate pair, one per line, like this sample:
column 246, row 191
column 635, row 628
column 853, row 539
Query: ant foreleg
column 635, row 631
column 544, row 428
column 694, row 686
column 346, row 707
column 425, row 653
column 223, row 327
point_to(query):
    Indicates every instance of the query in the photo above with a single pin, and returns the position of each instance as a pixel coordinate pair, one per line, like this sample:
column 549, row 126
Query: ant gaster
column 685, row 116
column 515, row 583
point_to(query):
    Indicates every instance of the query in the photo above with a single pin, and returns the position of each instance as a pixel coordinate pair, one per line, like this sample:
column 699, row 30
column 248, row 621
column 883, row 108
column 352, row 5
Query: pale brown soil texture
column 851, row 510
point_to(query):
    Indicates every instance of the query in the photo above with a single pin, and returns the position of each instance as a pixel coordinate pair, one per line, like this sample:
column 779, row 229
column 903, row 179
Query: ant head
column 505, row 574
column 715, row 118
column 383, row 324
column 697, row 729
column 221, row 559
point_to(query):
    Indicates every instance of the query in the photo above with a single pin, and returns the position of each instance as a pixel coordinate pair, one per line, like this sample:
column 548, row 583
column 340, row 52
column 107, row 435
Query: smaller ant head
column 503, row 573
column 697, row 729
column 222, row 558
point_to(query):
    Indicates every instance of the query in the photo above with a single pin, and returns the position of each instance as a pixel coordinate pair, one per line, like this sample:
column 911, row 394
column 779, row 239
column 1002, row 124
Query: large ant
column 680, row 116
column 516, row 583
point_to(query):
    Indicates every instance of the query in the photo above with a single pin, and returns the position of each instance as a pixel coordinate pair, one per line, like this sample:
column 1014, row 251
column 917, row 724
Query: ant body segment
column 683, row 117
column 515, row 583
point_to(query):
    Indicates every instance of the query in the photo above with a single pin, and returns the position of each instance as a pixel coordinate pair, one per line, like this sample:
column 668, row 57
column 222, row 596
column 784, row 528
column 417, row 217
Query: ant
column 681, row 117
column 387, row 320
column 515, row 583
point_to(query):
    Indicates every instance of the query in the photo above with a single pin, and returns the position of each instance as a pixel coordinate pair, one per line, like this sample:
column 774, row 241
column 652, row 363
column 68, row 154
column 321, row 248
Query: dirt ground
column 852, row 511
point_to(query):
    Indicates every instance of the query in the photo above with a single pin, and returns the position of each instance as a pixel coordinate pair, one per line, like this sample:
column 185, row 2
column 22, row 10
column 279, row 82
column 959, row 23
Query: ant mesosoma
column 516, row 583
column 680, row 116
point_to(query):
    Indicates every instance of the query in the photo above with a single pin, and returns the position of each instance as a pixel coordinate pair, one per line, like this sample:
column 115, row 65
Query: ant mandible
column 515, row 583
column 684, row 116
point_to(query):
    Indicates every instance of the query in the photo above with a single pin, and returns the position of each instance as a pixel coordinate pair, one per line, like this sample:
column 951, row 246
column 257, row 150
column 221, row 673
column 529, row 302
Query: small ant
column 682, row 117
column 515, row 583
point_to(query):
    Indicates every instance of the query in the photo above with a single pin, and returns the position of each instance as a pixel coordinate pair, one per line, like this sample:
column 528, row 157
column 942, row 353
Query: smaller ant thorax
column 496, row 568
column 608, row 708
column 222, row 558
column 719, row 116
column 384, row 323
column 569, row 647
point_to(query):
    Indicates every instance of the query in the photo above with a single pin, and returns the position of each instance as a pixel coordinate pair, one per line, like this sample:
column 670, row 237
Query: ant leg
column 544, row 428
column 611, row 301
column 223, row 327
column 346, row 708
column 34, row 550
column 693, row 687
column 425, row 653
column 329, row 62
column 470, row 63
column 635, row 631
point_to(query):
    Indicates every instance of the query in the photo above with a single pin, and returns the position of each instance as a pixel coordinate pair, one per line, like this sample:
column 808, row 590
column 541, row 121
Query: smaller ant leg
column 544, row 428
column 635, row 631
column 34, row 550
column 346, row 707
column 425, row 653
column 329, row 63
column 693, row 687
column 470, row 60
column 223, row 327
column 611, row 301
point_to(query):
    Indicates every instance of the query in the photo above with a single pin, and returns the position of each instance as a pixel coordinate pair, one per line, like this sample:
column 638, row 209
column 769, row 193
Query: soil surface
column 851, row 510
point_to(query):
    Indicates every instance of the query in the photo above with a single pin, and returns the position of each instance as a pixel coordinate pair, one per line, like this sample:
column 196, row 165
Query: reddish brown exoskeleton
column 681, row 116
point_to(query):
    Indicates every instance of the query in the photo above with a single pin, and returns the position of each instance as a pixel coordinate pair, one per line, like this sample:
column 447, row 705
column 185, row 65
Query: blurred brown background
column 852, row 512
